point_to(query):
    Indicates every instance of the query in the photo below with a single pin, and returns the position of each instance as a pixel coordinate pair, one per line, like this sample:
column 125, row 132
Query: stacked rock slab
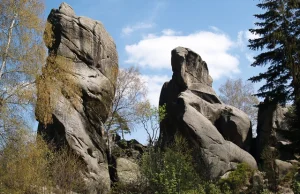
column 221, row 133
column 92, row 52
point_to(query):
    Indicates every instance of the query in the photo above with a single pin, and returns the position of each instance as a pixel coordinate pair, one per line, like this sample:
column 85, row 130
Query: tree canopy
column 22, row 54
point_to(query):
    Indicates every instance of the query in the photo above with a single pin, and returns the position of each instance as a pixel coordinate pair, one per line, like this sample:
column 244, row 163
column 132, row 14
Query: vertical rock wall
column 83, row 88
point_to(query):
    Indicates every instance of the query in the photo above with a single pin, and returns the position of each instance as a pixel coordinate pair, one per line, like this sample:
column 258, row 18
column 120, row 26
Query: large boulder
column 128, row 171
column 126, row 156
column 91, row 65
column 220, row 132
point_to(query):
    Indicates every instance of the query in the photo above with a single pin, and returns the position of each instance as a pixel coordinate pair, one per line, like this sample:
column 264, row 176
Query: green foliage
column 296, row 182
column 133, row 188
column 296, row 186
column 24, row 164
column 150, row 117
column 279, row 41
column 265, row 191
column 66, row 171
column 269, row 167
column 130, row 91
column 28, row 165
column 172, row 170
column 56, row 73
column 237, row 179
column 292, row 121
column 206, row 188
column 22, row 54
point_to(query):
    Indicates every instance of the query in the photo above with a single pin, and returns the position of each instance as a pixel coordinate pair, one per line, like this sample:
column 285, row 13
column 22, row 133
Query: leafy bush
column 65, row 171
column 269, row 154
column 296, row 183
column 237, row 179
column 172, row 170
column 133, row 188
column 24, row 164
column 29, row 166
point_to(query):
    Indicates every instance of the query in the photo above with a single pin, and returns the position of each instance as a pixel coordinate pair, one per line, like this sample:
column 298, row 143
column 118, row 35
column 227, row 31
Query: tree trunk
column 108, row 144
column 9, row 37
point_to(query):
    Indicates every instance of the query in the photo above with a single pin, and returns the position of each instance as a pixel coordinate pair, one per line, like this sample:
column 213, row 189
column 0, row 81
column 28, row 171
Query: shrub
column 269, row 154
column 29, row 166
column 65, row 171
column 237, row 179
column 172, row 170
column 134, row 188
column 24, row 164
column 296, row 183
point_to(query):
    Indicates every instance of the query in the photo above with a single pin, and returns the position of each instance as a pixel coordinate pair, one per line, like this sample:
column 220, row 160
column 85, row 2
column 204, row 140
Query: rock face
column 272, row 129
column 128, row 171
column 126, row 155
column 220, row 132
column 272, row 133
column 93, row 68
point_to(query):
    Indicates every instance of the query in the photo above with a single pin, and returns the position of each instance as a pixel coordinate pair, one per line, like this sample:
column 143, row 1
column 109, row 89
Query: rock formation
column 221, row 133
column 92, row 66
column 272, row 130
column 272, row 133
column 125, row 156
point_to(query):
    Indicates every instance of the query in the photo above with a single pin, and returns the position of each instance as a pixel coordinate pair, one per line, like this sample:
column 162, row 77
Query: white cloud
column 170, row 32
column 243, row 38
column 214, row 28
column 249, row 57
column 130, row 29
column 242, row 42
column 154, row 84
column 250, row 35
column 155, row 51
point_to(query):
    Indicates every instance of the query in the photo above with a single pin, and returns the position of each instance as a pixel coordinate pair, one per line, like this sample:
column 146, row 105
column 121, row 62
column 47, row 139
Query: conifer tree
column 278, row 29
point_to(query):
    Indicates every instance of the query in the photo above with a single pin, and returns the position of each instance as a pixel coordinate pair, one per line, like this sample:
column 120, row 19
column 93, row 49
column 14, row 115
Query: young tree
column 130, row 91
column 279, row 41
column 171, row 170
column 150, row 117
column 240, row 95
column 21, row 55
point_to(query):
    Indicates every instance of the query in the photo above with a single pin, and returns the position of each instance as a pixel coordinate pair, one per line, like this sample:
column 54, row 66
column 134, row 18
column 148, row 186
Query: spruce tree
column 279, row 31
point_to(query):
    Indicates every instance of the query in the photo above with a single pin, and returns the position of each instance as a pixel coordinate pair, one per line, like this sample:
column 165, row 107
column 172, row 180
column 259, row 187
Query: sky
column 145, row 32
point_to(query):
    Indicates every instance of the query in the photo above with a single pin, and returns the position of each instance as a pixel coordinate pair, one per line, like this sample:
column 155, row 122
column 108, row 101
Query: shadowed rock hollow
column 92, row 65
column 220, row 132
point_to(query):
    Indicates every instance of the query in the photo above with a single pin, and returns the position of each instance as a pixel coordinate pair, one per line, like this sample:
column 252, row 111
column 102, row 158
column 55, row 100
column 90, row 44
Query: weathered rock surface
column 283, row 168
column 272, row 131
column 128, row 171
column 78, row 121
column 221, row 132
column 126, row 155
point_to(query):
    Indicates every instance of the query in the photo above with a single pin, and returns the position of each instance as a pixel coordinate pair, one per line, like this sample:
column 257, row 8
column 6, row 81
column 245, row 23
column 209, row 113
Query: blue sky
column 145, row 32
